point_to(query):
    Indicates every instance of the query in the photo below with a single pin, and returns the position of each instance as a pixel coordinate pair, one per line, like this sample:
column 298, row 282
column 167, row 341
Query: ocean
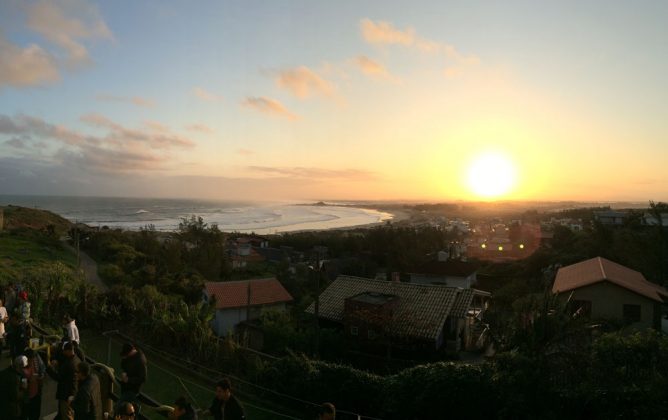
column 230, row 216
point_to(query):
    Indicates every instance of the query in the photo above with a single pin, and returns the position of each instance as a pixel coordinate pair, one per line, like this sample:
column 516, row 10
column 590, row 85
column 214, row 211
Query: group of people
column 15, row 330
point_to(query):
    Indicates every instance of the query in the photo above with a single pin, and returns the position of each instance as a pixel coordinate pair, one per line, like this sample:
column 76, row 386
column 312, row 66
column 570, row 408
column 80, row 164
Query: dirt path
column 89, row 267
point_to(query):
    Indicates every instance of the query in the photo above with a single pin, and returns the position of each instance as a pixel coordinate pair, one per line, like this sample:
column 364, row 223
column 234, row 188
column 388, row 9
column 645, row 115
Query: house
column 447, row 273
column 238, row 301
column 603, row 289
column 651, row 219
column 242, row 253
column 610, row 217
column 411, row 315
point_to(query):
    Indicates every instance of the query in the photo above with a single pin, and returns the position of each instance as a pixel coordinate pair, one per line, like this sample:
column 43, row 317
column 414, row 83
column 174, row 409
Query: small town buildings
column 610, row 217
column 447, row 273
column 239, row 301
column 651, row 219
column 603, row 289
column 374, row 312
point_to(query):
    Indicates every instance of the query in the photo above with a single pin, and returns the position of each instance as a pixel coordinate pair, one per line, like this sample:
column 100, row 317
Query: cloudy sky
column 333, row 100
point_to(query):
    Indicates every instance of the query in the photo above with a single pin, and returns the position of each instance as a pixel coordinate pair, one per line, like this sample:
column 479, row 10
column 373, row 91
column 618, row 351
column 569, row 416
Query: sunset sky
column 289, row 100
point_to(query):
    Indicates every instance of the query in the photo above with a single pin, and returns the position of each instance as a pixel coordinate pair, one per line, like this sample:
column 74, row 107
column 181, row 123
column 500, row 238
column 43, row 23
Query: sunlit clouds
column 206, row 95
column 303, row 82
column 319, row 100
column 268, row 106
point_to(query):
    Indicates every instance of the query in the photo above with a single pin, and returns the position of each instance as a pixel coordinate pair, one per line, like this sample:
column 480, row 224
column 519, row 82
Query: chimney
column 396, row 277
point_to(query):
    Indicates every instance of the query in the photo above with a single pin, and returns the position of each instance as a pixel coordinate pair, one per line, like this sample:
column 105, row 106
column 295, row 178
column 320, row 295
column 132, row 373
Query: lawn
column 166, row 383
column 19, row 253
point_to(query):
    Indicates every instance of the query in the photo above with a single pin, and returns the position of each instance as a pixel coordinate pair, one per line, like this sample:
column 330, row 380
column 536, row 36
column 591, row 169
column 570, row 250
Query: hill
column 29, row 240
column 16, row 217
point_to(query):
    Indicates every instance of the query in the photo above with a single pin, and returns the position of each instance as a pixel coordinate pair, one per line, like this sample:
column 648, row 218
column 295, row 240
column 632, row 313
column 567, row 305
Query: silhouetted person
column 183, row 410
column 133, row 374
column 87, row 402
column 34, row 372
column 226, row 406
column 125, row 411
column 326, row 412
column 13, row 386
column 67, row 381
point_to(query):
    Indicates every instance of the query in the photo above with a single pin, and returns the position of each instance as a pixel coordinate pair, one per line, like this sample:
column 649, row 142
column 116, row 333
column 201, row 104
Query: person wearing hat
column 67, row 381
column 133, row 373
column 35, row 373
column 13, row 385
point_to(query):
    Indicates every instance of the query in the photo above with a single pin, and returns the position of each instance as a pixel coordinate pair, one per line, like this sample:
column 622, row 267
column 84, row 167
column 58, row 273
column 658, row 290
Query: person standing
column 326, row 412
column 13, row 387
column 70, row 329
column 133, row 374
column 4, row 317
column 226, row 406
column 67, row 381
column 35, row 373
column 183, row 410
column 87, row 404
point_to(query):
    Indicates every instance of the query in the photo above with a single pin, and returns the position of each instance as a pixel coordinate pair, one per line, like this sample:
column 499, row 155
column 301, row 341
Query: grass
column 19, row 253
column 166, row 383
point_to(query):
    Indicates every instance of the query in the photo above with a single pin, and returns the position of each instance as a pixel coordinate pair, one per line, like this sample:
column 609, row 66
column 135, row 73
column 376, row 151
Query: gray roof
column 421, row 311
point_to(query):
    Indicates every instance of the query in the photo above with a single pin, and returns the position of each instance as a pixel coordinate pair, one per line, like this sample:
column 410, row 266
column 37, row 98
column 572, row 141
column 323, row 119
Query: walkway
column 89, row 267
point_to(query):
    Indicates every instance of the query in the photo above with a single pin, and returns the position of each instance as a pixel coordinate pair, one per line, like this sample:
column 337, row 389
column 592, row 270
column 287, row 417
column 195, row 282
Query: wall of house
column 227, row 319
column 450, row 281
column 608, row 300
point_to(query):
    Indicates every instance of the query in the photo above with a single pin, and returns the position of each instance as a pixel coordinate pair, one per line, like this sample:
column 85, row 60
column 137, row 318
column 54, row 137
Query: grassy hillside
column 27, row 242
column 33, row 219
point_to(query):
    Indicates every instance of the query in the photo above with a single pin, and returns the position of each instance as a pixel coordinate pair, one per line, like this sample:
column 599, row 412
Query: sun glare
column 491, row 175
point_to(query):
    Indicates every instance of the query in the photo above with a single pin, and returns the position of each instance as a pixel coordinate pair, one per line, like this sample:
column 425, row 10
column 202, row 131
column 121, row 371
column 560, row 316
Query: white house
column 239, row 301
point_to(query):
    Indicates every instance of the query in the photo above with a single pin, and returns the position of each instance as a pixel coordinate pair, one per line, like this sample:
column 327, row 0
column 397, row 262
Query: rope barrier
column 208, row 390
column 177, row 360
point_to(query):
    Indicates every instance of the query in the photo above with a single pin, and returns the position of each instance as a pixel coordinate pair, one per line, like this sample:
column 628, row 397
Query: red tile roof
column 234, row 294
column 600, row 269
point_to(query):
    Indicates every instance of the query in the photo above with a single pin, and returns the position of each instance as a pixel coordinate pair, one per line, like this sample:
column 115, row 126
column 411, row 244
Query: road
column 89, row 267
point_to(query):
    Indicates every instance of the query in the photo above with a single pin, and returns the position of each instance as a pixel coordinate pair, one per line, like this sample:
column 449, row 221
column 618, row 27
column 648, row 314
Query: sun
column 491, row 175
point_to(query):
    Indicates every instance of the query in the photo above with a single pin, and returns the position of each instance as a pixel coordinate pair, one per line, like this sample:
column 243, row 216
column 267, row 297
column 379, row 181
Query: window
column 632, row 313
column 353, row 331
column 371, row 334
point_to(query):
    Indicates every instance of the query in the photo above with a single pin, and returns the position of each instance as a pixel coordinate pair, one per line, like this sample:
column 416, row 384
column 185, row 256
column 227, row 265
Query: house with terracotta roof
column 603, row 289
column 412, row 315
column 244, row 300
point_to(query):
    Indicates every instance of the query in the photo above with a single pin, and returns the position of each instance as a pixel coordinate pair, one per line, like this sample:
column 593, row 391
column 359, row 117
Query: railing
column 105, row 373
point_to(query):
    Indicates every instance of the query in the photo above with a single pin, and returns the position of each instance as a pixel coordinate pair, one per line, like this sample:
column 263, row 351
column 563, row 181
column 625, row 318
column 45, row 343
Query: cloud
column 205, row 95
column 304, row 82
column 17, row 143
column 67, row 24
column 382, row 32
column 245, row 152
column 316, row 173
column 29, row 66
column 118, row 149
column 162, row 139
column 268, row 106
column 373, row 69
column 134, row 100
column 201, row 128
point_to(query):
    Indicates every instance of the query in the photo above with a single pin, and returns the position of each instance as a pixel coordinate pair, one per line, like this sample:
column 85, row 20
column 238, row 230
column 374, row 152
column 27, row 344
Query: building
column 603, row 289
column 447, row 273
column 610, row 217
column 239, row 301
column 410, row 315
